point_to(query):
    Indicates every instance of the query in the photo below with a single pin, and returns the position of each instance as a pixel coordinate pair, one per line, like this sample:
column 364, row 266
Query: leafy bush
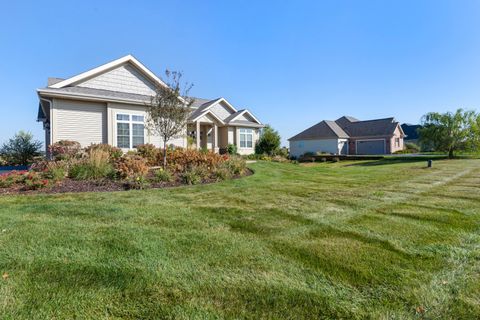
column 412, row 147
column 149, row 152
column 309, row 154
column 21, row 149
column 12, row 178
column 335, row 159
column 222, row 173
column 161, row 175
column 34, row 181
column 55, row 170
column 269, row 141
column 131, row 166
column 3, row 162
column 231, row 149
column 180, row 160
column 194, row 174
column 96, row 165
column 65, row 150
column 235, row 165
column 114, row 153
column 279, row 159
column 137, row 182
column 282, row 152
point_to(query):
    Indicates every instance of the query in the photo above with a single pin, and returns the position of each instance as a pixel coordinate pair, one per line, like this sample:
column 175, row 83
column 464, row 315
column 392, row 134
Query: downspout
column 47, row 126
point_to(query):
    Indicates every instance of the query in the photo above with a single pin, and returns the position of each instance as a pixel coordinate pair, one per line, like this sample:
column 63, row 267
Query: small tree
column 449, row 131
column 21, row 149
column 168, row 110
column 269, row 141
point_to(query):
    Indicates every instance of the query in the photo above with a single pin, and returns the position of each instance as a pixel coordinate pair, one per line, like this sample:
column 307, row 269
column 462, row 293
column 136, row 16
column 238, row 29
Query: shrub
column 412, row 147
column 3, row 162
column 34, row 181
column 194, row 174
column 279, row 159
column 137, row 182
column 65, row 150
column 269, row 141
column 114, row 153
column 282, row 152
column 131, row 166
column 335, row 159
column 55, row 170
column 161, row 175
column 149, row 152
column 96, row 165
column 222, row 173
column 179, row 160
column 308, row 154
column 21, row 149
column 231, row 149
column 235, row 165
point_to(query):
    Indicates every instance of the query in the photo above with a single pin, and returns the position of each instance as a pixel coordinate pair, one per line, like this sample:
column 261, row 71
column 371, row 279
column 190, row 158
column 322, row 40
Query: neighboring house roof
column 323, row 130
column 377, row 127
column 347, row 127
column 411, row 131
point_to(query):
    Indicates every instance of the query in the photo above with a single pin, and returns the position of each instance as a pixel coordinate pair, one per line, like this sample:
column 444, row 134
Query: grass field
column 377, row 239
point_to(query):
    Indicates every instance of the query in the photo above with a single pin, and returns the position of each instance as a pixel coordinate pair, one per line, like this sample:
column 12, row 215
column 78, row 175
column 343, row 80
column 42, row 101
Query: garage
column 371, row 146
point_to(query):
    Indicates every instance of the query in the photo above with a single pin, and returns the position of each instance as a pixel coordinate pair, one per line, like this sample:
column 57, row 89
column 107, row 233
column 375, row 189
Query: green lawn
column 378, row 239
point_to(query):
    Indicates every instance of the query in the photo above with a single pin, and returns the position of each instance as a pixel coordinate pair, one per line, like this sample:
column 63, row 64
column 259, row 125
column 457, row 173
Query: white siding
column 114, row 108
column 125, row 78
column 221, row 110
column 298, row 148
column 85, row 122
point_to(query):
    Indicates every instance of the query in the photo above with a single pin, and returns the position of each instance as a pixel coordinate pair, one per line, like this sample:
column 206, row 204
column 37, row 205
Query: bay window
column 246, row 138
column 130, row 130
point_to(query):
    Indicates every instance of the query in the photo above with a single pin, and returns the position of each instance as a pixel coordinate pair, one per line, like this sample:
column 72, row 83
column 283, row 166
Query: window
column 246, row 138
column 130, row 131
column 397, row 142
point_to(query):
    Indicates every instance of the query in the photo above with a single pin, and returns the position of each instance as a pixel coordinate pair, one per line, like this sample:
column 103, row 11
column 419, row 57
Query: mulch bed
column 69, row 185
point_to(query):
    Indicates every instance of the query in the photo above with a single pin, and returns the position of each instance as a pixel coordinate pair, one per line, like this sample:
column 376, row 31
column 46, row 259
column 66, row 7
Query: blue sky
column 293, row 63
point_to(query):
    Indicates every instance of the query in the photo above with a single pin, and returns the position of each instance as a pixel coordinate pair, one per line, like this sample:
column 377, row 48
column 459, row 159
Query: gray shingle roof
column 201, row 108
column 233, row 115
column 322, row 130
column 102, row 93
column 377, row 127
column 345, row 120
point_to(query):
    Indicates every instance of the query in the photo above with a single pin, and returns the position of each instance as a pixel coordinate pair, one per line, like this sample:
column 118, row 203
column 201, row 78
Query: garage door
column 371, row 147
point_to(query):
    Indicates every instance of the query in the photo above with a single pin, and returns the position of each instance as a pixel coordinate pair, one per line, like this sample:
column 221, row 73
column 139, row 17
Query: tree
column 21, row 149
column 269, row 141
column 449, row 131
column 168, row 110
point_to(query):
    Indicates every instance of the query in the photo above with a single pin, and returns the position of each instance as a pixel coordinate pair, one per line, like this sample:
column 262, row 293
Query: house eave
column 88, row 97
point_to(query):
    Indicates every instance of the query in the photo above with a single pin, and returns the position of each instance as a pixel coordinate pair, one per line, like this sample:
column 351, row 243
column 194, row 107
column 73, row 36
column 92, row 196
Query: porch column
column 215, row 138
column 197, row 134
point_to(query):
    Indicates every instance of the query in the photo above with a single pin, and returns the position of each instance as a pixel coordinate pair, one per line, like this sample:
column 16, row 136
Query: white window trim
column 245, row 133
column 130, row 123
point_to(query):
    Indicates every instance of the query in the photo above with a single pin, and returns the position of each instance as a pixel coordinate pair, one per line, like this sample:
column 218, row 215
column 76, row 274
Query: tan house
column 108, row 105
column 348, row 135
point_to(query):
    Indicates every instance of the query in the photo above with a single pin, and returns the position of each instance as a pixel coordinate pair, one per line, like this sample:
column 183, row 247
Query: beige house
column 348, row 135
column 108, row 105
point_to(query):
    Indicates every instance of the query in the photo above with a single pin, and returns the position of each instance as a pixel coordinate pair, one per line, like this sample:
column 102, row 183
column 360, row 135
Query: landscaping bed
column 105, row 168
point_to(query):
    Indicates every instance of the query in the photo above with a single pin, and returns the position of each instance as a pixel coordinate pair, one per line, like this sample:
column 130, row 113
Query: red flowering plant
column 12, row 178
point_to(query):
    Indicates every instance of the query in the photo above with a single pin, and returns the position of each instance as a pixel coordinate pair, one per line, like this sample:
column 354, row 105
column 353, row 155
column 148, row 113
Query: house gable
column 222, row 110
column 124, row 78
column 126, row 69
